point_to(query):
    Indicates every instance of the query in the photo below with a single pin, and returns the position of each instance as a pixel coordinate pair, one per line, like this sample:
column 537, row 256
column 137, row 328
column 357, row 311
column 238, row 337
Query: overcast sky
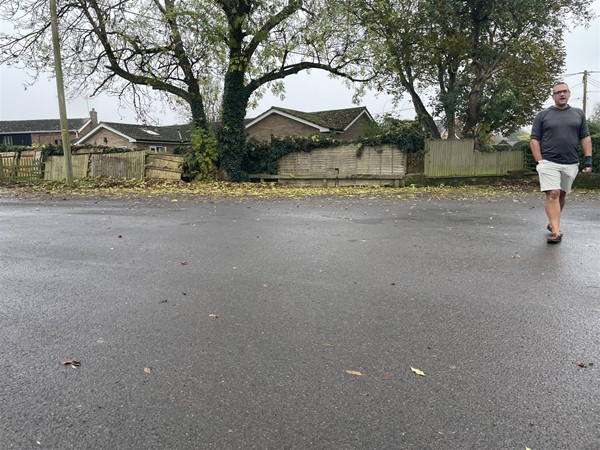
column 304, row 92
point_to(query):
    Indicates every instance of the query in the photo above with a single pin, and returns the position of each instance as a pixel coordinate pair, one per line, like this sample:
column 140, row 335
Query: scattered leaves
column 214, row 316
column 184, row 263
column 148, row 370
column 582, row 365
column 418, row 371
column 355, row 373
column 70, row 362
column 128, row 188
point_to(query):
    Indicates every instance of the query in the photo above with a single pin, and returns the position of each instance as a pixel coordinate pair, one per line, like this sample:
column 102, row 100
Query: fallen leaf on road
column 70, row 362
column 355, row 373
column 184, row 263
column 147, row 370
column 214, row 316
column 417, row 371
column 582, row 365
column 120, row 236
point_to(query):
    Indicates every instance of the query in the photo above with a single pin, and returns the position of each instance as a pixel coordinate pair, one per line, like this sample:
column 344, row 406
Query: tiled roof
column 149, row 133
column 335, row 120
column 40, row 126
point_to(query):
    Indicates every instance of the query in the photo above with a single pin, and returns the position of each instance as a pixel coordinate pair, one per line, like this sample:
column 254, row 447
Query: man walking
column 555, row 136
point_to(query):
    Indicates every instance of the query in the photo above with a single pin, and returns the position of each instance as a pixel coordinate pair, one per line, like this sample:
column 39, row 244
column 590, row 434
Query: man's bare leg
column 555, row 202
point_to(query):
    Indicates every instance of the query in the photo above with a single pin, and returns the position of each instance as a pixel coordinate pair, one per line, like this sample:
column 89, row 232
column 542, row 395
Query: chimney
column 94, row 117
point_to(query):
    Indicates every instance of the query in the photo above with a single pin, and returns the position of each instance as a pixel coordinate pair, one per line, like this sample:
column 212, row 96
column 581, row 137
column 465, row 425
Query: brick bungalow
column 44, row 131
column 137, row 137
column 345, row 124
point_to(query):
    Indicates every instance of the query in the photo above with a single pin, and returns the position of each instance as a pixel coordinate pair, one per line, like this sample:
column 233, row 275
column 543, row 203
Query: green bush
column 524, row 147
column 200, row 159
column 502, row 148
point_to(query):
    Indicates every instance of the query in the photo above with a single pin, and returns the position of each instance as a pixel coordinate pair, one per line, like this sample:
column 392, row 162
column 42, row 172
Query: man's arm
column 586, row 146
column 536, row 150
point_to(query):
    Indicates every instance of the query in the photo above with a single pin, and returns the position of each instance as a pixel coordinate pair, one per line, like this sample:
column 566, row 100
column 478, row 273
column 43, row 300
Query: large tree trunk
column 422, row 114
column 232, row 132
column 197, row 108
column 470, row 126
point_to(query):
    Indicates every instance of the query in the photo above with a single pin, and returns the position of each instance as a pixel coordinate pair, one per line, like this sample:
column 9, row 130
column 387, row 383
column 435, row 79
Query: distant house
column 44, row 131
column 137, row 137
column 349, row 123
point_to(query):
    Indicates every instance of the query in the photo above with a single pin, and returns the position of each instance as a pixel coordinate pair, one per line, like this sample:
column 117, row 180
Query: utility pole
column 585, row 80
column 60, row 90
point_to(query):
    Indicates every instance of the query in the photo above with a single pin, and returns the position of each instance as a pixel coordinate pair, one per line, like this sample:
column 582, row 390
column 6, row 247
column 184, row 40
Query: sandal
column 554, row 238
column 549, row 228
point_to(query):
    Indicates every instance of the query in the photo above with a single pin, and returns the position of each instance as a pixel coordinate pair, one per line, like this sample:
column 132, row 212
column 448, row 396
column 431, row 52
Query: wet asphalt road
column 231, row 324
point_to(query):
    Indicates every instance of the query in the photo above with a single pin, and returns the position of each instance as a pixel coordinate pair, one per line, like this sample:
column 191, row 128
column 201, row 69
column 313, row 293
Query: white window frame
column 158, row 148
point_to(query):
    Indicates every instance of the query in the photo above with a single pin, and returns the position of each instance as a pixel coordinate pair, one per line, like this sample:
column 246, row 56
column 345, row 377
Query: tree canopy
column 480, row 65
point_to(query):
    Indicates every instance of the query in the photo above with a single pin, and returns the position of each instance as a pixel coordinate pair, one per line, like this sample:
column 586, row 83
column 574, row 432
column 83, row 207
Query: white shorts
column 556, row 176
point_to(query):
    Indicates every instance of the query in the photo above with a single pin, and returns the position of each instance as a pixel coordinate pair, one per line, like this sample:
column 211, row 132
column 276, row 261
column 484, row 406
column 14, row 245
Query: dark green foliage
column 502, row 148
column 407, row 135
column 200, row 158
column 523, row 146
column 372, row 129
column 593, row 127
column 14, row 148
column 231, row 135
column 57, row 150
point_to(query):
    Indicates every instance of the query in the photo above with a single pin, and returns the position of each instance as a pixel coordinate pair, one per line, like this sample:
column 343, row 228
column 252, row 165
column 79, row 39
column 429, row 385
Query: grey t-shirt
column 559, row 132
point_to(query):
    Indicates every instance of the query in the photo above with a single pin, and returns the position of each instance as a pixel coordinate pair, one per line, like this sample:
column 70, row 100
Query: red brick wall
column 279, row 126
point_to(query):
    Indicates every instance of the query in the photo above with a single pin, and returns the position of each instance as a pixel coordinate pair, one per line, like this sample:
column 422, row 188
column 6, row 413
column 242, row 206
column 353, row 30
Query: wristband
column 587, row 161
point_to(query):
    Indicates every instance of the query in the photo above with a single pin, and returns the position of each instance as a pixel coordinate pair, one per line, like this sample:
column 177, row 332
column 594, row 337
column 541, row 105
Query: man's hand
column 587, row 162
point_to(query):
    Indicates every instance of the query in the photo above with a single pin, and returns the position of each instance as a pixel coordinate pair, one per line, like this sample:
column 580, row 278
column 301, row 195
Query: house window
column 105, row 139
column 7, row 140
column 158, row 148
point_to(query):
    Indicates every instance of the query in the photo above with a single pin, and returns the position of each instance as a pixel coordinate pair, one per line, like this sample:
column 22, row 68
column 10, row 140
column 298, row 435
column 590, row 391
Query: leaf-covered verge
column 175, row 190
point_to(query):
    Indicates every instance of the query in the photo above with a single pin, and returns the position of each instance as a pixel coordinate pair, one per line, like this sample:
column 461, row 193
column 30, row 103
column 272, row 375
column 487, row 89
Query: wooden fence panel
column 24, row 166
column 456, row 158
column 119, row 165
column 163, row 166
column 55, row 170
